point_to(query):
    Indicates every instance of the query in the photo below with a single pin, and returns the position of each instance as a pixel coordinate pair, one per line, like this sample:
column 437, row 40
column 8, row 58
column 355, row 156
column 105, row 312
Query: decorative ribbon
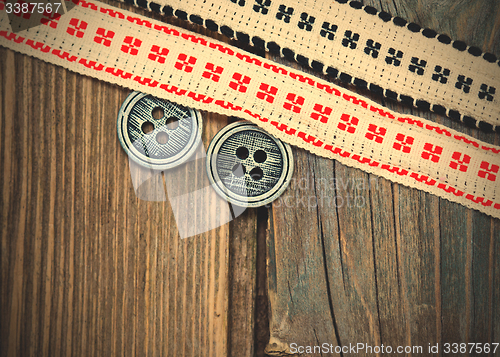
column 150, row 56
column 360, row 45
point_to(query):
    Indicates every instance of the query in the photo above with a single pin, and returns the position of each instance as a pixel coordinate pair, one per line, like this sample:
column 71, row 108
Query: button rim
column 137, row 157
column 257, row 201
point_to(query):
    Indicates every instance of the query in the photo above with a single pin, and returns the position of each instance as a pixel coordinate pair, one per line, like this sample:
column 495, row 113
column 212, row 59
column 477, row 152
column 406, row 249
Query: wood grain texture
column 298, row 290
column 400, row 267
column 87, row 268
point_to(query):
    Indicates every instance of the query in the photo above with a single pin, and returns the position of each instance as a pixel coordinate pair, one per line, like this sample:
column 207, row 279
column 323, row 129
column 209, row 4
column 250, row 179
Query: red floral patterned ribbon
column 360, row 45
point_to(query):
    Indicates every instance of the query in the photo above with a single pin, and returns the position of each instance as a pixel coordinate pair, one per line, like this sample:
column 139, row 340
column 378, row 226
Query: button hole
column 147, row 127
column 260, row 156
column 172, row 123
column 162, row 138
column 256, row 173
column 242, row 153
column 158, row 113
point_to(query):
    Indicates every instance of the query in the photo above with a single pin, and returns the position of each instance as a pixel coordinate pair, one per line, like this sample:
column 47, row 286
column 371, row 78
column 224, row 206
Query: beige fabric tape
column 150, row 56
column 362, row 46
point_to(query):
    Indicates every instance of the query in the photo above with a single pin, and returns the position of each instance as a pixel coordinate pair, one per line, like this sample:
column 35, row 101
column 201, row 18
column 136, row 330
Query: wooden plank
column 481, row 304
column 90, row 269
column 454, row 275
column 82, row 279
column 359, row 283
column 417, row 227
column 495, row 282
column 387, row 260
column 242, row 284
column 261, row 307
column 298, row 291
column 408, row 269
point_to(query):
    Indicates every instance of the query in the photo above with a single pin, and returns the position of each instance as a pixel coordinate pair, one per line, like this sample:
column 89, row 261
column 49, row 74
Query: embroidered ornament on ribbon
column 360, row 45
column 136, row 52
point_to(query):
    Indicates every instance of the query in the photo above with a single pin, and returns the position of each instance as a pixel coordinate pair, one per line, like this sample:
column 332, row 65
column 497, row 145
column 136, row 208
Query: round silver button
column 247, row 166
column 156, row 133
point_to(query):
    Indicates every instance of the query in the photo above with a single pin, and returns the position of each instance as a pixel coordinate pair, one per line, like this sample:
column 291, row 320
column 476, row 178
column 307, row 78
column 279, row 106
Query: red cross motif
column 376, row 133
column 488, row 171
column 294, row 103
column 212, row 72
column 76, row 27
column 460, row 161
column 239, row 82
column 104, row 37
column 50, row 19
column 321, row 113
column 403, row 143
column 350, row 123
column 24, row 15
column 432, row 152
column 158, row 54
column 267, row 92
column 131, row 45
column 184, row 63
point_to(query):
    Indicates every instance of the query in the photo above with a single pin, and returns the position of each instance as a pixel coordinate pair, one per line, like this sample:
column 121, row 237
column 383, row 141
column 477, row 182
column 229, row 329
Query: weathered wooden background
column 87, row 269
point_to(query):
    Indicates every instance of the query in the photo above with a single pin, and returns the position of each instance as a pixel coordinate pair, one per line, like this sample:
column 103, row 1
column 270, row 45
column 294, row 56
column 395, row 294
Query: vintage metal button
column 247, row 166
column 156, row 133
